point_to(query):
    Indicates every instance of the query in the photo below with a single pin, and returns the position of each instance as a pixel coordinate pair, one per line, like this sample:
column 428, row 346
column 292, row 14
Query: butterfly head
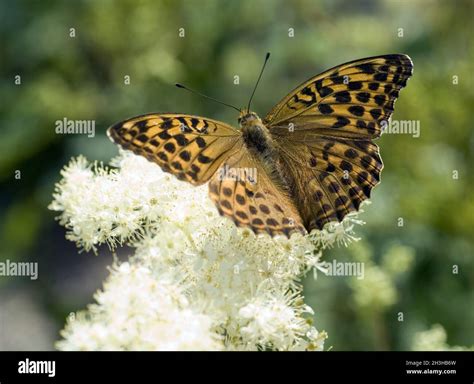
column 247, row 117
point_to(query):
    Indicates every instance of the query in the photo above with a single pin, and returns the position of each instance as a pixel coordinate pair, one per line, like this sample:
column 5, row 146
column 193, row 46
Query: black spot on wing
column 325, row 109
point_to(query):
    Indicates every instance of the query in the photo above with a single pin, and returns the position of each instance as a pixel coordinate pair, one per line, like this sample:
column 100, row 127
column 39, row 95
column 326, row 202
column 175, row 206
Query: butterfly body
column 310, row 161
column 256, row 135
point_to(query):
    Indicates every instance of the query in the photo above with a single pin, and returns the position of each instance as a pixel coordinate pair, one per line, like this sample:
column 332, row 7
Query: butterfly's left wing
column 246, row 190
column 190, row 147
column 324, row 130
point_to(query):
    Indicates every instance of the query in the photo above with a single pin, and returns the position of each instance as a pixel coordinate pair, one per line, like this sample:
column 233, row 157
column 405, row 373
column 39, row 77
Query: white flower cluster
column 435, row 339
column 195, row 281
column 137, row 310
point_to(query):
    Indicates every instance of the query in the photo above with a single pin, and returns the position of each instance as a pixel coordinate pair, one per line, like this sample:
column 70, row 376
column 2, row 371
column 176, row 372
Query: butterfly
column 309, row 162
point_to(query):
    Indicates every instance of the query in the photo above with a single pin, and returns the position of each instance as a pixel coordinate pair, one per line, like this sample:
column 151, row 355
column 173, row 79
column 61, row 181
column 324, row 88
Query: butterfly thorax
column 256, row 136
column 261, row 145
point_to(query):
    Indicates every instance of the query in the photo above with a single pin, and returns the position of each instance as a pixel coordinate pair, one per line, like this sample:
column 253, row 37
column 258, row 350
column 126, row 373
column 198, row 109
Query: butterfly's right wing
column 330, row 177
column 353, row 100
column 324, row 130
column 190, row 147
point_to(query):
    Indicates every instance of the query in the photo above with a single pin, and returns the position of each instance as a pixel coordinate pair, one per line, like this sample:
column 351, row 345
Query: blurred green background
column 409, row 269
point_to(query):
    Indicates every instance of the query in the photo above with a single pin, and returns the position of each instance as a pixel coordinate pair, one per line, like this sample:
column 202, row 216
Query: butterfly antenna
column 258, row 80
column 206, row 97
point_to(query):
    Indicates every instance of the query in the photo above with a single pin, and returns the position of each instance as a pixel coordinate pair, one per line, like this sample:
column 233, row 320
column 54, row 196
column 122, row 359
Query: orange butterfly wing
column 324, row 130
column 190, row 147
column 247, row 191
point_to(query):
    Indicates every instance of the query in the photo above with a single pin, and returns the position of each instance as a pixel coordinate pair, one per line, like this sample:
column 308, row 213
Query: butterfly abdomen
column 261, row 145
